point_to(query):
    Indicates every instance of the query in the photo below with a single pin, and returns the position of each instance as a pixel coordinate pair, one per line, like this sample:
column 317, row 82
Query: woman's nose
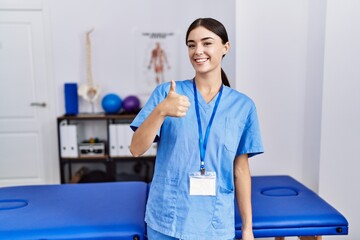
column 199, row 50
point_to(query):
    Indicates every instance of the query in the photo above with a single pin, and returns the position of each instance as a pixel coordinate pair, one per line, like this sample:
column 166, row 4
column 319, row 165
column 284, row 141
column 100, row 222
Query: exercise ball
column 131, row 104
column 111, row 103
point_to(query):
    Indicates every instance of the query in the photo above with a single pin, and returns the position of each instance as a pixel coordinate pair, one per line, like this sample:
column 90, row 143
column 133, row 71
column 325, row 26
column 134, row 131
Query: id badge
column 203, row 185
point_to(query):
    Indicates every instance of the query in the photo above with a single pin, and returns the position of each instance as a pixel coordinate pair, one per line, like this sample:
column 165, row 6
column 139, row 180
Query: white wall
column 340, row 132
column 271, row 67
column 313, row 93
column 113, row 44
column 299, row 61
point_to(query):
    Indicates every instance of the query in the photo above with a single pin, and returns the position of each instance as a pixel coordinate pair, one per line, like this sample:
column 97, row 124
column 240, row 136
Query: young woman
column 206, row 132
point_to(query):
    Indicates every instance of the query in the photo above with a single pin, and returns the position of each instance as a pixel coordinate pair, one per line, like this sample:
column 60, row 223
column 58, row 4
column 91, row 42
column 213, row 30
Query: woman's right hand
column 174, row 105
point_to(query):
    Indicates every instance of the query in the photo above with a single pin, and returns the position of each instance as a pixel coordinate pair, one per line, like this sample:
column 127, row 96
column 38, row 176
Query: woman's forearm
column 145, row 134
column 243, row 190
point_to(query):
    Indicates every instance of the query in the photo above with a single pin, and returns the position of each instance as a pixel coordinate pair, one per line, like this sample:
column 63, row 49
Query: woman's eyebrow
column 206, row 38
column 203, row 39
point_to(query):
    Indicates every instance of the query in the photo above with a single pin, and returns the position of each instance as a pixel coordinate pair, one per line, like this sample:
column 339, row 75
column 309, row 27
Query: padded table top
column 76, row 211
column 283, row 206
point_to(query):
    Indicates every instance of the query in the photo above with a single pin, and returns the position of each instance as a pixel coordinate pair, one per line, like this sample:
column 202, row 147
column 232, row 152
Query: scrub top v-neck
column 235, row 131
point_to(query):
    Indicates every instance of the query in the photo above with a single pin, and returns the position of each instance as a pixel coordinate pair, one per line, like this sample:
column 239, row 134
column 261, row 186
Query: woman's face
column 205, row 50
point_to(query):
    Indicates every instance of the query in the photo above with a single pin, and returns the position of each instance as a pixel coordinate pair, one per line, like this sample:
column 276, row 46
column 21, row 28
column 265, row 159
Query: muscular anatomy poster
column 156, row 59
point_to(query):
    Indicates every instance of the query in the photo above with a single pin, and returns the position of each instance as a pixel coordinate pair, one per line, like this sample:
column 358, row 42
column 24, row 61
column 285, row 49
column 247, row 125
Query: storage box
column 92, row 149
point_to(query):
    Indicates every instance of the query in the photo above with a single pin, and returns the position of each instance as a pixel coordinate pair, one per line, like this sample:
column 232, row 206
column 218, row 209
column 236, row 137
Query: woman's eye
column 191, row 45
column 207, row 43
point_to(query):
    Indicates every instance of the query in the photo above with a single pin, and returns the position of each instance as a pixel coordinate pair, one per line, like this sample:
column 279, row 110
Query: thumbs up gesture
column 174, row 105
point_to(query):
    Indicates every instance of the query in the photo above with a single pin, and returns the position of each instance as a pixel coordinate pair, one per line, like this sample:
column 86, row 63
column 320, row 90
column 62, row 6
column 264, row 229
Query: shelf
column 106, row 158
column 87, row 158
column 109, row 164
column 100, row 116
column 133, row 158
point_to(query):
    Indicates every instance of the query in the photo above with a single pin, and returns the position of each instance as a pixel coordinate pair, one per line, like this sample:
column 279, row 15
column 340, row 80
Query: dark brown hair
column 216, row 27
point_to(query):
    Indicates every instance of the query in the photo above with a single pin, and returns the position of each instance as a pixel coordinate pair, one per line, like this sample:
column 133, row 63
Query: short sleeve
column 157, row 96
column 250, row 141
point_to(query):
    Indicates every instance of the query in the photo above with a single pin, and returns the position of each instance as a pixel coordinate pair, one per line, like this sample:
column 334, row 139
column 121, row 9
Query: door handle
column 36, row 104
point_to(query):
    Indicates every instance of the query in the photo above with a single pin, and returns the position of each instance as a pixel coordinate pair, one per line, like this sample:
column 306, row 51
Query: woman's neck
column 208, row 87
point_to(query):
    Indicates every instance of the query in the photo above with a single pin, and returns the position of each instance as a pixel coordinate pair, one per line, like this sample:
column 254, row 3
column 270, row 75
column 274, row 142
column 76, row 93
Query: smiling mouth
column 201, row 60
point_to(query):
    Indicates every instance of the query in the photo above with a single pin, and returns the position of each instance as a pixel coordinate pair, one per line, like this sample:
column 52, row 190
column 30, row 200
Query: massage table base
column 303, row 238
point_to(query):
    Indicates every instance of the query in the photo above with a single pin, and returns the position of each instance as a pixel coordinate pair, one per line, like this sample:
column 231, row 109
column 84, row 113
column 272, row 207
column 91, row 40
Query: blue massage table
column 284, row 207
column 74, row 211
column 281, row 207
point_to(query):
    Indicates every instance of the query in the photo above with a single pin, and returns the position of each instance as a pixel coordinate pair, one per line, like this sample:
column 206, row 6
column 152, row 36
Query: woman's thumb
column 173, row 86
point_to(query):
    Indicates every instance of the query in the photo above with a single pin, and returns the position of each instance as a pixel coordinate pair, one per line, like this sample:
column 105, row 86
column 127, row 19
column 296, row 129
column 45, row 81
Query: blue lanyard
column 203, row 142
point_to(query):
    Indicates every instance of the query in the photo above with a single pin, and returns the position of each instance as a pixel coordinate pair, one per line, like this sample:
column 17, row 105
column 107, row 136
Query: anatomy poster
column 156, row 59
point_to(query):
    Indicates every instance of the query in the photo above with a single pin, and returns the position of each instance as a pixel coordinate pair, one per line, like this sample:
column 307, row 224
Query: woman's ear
column 226, row 48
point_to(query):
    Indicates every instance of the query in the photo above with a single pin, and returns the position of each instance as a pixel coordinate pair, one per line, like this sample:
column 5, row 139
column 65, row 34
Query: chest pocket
column 233, row 132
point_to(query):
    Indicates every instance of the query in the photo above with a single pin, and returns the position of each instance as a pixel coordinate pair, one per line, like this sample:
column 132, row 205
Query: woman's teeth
column 200, row 60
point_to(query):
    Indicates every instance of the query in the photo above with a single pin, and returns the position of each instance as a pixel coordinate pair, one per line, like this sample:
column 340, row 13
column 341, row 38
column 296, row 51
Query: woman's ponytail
column 224, row 78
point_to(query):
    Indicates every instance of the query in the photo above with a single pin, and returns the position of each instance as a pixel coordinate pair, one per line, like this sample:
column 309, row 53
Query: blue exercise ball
column 111, row 103
column 131, row 104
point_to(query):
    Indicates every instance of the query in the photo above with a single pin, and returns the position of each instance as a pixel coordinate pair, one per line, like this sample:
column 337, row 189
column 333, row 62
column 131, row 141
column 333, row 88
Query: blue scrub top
column 235, row 131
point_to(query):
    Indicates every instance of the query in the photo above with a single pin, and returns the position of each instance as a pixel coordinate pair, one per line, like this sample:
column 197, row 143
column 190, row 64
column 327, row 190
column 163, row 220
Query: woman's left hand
column 247, row 235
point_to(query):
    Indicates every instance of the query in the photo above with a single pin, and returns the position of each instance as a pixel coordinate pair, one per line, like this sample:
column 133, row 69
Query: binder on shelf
column 73, row 141
column 120, row 135
column 123, row 140
column 113, row 144
column 63, row 141
column 153, row 149
column 128, row 133
column 68, row 141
